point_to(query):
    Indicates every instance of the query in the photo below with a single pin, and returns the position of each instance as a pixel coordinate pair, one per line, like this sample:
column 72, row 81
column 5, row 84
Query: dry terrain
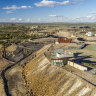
column 47, row 80
column 38, row 77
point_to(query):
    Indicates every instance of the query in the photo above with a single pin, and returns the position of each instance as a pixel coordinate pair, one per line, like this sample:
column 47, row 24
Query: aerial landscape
column 47, row 48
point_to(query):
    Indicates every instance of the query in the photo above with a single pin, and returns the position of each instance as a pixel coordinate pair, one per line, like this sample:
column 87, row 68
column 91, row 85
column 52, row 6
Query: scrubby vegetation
column 89, row 64
column 15, row 33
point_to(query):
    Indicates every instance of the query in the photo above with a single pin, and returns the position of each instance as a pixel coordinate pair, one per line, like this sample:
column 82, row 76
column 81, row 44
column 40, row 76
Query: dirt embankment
column 3, row 64
column 14, row 79
column 37, row 77
column 16, row 84
column 2, row 93
column 47, row 80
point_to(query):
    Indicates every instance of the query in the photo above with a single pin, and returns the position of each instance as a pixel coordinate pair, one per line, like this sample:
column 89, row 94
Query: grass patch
column 89, row 64
column 92, row 47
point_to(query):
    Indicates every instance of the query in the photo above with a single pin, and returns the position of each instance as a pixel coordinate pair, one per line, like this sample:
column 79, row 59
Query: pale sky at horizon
column 47, row 11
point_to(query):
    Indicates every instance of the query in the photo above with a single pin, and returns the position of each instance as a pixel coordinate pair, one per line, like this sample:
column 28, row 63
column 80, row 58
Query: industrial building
column 64, row 40
column 60, row 57
column 78, row 66
column 61, row 53
column 60, row 61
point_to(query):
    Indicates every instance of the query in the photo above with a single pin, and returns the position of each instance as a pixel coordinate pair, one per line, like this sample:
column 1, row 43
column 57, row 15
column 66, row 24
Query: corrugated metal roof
column 61, row 50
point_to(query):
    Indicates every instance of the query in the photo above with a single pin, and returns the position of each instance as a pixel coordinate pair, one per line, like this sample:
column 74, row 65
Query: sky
column 47, row 11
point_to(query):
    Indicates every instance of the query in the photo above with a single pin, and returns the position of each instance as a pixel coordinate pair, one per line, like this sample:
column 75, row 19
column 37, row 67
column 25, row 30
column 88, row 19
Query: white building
column 60, row 57
column 90, row 34
column 65, row 54
column 60, row 53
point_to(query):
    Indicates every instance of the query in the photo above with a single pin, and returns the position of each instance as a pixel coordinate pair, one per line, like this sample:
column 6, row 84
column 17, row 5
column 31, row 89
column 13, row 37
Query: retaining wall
column 75, row 65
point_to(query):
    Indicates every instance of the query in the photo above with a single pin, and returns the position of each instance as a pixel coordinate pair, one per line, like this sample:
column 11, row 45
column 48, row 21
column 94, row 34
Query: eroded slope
column 47, row 80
